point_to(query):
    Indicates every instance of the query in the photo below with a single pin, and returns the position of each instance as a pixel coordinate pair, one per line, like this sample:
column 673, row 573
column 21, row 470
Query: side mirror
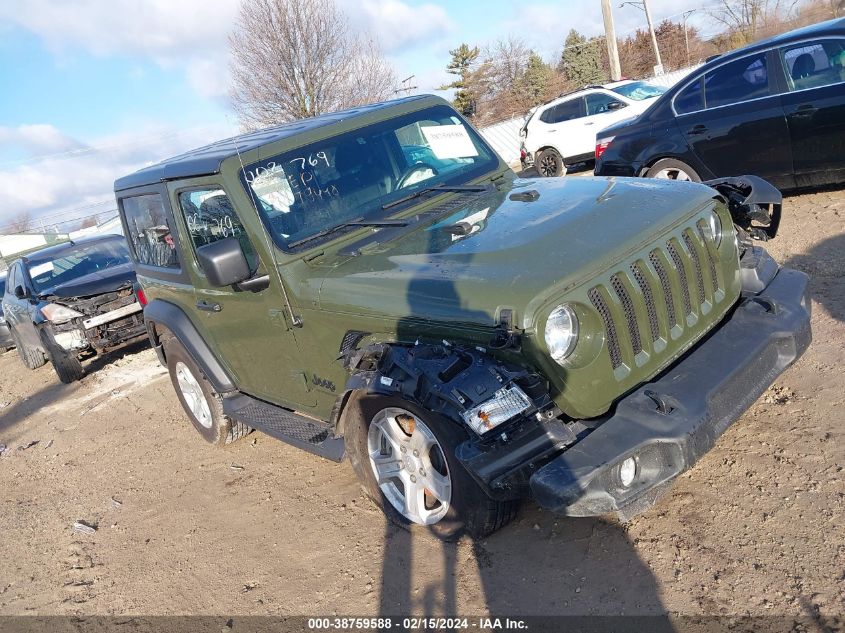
column 616, row 105
column 224, row 262
column 21, row 292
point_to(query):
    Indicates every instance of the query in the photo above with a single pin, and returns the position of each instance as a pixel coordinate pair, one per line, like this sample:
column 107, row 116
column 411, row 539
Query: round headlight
column 714, row 228
column 561, row 332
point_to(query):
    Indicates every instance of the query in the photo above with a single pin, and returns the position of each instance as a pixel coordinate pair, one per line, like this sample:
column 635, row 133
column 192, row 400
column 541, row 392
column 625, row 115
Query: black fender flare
column 160, row 314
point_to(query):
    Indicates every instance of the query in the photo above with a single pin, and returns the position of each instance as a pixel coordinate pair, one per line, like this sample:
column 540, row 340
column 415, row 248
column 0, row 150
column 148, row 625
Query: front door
column 741, row 128
column 814, row 105
column 250, row 329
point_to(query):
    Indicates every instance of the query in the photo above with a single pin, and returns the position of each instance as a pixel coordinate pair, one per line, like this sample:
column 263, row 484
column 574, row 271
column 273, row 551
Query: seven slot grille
column 640, row 307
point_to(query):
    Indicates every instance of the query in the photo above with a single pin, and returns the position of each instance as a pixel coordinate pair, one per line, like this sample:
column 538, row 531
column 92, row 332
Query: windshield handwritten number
column 312, row 159
column 260, row 172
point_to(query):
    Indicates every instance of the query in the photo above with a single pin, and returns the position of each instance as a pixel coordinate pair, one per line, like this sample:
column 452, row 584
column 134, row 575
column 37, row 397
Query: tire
column 468, row 509
column 213, row 425
column 671, row 169
column 66, row 364
column 549, row 163
column 32, row 357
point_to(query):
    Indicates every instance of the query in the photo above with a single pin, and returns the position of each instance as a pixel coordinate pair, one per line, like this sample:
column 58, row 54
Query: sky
column 91, row 90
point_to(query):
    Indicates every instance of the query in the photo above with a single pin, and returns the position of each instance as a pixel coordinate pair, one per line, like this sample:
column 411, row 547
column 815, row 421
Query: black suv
column 775, row 109
column 69, row 300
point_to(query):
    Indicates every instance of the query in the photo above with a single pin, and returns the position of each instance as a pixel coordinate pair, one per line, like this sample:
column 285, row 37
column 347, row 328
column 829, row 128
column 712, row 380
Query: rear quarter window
column 149, row 231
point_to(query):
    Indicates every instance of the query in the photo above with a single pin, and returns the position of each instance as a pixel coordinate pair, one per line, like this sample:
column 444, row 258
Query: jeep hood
column 96, row 283
column 496, row 252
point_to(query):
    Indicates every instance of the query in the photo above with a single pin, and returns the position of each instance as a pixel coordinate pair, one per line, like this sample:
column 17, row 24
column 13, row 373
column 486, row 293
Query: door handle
column 805, row 110
column 209, row 307
column 590, row 123
column 697, row 129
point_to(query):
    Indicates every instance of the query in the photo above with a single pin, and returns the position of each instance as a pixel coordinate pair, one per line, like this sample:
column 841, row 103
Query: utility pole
column 686, row 31
column 610, row 36
column 643, row 4
column 653, row 39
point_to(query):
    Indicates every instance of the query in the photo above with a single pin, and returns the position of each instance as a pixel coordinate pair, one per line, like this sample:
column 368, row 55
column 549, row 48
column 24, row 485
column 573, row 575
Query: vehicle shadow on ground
column 825, row 265
column 541, row 565
column 14, row 413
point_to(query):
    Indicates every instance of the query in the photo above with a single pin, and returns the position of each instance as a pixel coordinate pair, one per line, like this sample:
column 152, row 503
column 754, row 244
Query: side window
column 690, row 99
column 813, row 65
column 597, row 103
column 547, row 115
column 210, row 217
column 737, row 81
column 568, row 110
column 149, row 231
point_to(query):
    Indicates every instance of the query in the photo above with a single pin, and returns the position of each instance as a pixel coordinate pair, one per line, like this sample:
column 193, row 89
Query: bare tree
column 293, row 59
column 748, row 20
column 20, row 224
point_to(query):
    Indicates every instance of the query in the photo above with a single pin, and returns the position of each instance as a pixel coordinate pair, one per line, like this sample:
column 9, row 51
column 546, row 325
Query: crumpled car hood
column 106, row 280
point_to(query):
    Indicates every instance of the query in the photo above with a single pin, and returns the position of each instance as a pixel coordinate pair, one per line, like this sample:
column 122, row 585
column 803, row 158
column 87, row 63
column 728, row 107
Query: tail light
column 602, row 144
column 522, row 154
column 142, row 298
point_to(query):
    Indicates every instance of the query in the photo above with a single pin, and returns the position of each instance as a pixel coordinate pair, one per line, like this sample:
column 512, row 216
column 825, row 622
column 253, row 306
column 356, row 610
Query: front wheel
column 404, row 458
column 671, row 169
column 65, row 363
column 32, row 357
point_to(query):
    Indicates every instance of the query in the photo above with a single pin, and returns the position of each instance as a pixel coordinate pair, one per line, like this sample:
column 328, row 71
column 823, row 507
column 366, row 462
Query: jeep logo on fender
column 322, row 382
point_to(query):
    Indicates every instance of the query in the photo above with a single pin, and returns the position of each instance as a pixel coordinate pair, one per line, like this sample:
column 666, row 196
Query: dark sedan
column 775, row 109
column 72, row 299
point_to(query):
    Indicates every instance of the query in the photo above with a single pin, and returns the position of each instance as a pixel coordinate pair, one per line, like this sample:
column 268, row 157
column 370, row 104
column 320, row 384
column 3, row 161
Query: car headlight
column 506, row 403
column 59, row 313
column 713, row 228
column 561, row 332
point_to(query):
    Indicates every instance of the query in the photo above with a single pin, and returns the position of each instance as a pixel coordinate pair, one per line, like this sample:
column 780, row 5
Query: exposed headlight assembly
column 506, row 403
column 561, row 332
column 59, row 313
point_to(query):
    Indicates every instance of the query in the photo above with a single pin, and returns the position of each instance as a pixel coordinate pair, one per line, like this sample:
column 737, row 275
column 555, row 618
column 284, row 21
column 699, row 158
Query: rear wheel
column 404, row 458
column 32, row 357
column 671, row 169
column 550, row 163
column 203, row 405
column 65, row 363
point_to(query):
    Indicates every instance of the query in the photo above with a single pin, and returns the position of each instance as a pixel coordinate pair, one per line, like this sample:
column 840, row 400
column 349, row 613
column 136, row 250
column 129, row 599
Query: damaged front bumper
column 102, row 331
column 665, row 426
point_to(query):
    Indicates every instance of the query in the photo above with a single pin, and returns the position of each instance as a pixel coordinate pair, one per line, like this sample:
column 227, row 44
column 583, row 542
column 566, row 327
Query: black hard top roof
column 57, row 250
column 206, row 160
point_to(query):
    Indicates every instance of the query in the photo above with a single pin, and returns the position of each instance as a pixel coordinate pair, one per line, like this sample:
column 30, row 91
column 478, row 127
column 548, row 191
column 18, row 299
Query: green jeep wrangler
column 377, row 283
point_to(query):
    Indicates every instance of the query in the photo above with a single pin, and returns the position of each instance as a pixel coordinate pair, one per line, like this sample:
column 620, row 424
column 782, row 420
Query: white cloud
column 396, row 24
column 187, row 34
column 55, row 180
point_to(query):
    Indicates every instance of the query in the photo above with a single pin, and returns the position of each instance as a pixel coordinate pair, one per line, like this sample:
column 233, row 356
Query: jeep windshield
column 364, row 175
column 74, row 261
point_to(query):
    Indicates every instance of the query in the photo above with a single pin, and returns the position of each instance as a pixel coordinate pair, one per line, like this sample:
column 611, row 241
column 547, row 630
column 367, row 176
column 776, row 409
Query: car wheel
column 404, row 458
column 203, row 405
column 549, row 163
column 66, row 364
column 32, row 357
column 671, row 169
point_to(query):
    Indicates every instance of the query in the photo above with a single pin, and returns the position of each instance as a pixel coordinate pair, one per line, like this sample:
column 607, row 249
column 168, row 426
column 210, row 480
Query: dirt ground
column 262, row 528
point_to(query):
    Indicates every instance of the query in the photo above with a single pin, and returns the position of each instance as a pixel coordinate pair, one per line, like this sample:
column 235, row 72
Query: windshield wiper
column 422, row 192
column 333, row 229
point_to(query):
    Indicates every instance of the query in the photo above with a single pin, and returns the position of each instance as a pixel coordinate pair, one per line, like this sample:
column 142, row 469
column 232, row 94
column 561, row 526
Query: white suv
column 563, row 132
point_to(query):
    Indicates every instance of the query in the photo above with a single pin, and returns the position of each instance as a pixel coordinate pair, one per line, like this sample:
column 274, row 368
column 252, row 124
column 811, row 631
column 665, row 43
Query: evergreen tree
column 581, row 61
column 463, row 58
column 537, row 80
